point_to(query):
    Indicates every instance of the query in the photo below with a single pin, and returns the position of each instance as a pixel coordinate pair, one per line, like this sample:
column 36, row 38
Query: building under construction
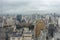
column 38, row 27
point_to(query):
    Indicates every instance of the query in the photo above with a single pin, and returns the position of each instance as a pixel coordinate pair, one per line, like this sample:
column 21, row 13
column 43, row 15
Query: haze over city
column 29, row 6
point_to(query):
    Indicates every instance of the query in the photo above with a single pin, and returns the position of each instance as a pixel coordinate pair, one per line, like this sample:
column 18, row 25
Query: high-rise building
column 19, row 21
column 39, row 26
column 59, row 22
column 50, row 19
column 19, row 18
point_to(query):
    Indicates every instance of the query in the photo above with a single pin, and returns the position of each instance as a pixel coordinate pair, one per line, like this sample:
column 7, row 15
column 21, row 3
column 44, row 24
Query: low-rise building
column 2, row 34
column 27, row 36
column 9, row 21
column 15, row 36
column 57, row 36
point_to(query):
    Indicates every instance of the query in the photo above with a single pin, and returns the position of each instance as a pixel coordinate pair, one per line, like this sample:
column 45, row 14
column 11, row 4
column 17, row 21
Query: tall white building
column 59, row 21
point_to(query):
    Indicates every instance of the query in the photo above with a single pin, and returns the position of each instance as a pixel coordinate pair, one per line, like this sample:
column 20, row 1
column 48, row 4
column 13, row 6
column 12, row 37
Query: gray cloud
column 22, row 6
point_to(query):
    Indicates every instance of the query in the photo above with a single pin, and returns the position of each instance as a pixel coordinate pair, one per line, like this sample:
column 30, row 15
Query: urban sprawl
column 30, row 27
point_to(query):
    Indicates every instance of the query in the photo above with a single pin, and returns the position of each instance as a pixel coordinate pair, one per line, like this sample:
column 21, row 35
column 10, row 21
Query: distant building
column 18, row 21
column 36, row 17
column 4, row 21
column 59, row 21
column 9, row 21
column 1, row 21
column 50, row 19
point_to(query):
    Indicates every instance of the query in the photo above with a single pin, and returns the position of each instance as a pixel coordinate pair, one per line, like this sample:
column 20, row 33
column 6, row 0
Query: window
column 18, row 38
column 58, row 39
column 13, row 38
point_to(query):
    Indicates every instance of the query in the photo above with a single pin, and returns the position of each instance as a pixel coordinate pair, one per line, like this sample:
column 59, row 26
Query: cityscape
column 29, row 19
column 30, row 27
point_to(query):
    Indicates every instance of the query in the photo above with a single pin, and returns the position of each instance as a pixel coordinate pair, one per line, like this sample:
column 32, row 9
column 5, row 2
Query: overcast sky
column 28, row 6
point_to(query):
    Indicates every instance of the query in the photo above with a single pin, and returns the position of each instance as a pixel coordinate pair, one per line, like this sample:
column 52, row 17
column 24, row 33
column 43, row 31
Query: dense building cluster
column 30, row 27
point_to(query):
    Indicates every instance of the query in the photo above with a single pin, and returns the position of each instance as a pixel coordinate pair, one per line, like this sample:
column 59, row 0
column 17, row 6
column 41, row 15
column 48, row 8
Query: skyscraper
column 19, row 17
